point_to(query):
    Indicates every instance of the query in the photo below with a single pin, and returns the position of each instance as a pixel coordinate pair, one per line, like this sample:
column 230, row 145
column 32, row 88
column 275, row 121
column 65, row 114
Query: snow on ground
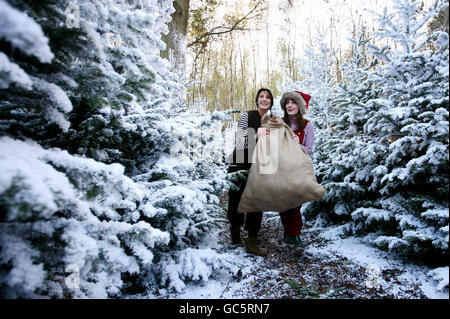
column 356, row 250
column 328, row 269
column 224, row 286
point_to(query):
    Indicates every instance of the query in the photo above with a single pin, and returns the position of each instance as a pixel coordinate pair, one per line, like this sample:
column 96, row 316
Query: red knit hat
column 306, row 97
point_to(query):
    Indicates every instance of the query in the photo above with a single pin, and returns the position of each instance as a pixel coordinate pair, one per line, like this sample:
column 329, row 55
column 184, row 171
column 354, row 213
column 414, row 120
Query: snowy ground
column 328, row 269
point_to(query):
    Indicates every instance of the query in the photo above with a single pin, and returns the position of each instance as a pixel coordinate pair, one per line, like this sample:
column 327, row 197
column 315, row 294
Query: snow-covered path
column 328, row 269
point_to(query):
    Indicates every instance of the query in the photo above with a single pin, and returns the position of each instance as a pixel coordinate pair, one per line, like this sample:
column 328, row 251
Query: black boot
column 236, row 236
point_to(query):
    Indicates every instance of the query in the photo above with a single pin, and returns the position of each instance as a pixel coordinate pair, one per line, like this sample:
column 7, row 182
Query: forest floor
column 320, row 272
column 327, row 269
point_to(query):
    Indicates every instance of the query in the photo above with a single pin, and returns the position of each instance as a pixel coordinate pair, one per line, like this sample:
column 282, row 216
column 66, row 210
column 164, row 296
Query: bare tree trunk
column 267, row 51
column 294, row 66
column 231, row 92
column 254, row 50
column 211, row 85
column 202, row 72
column 175, row 40
column 208, row 77
column 224, row 99
column 244, row 84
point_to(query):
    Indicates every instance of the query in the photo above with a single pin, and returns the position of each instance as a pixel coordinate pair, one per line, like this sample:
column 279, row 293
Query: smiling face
column 291, row 107
column 264, row 101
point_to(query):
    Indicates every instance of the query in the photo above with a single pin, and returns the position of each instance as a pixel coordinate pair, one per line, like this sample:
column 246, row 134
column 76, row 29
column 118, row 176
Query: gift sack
column 282, row 174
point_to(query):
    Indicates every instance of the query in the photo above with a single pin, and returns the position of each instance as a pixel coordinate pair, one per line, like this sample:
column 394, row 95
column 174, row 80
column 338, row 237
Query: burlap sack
column 282, row 174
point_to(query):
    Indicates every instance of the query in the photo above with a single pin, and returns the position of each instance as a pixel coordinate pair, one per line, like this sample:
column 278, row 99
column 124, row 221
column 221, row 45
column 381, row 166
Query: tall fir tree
column 391, row 179
column 96, row 200
column 412, row 178
column 346, row 150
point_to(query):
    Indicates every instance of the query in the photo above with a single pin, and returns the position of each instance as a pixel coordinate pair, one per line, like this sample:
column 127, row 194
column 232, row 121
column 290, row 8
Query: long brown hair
column 299, row 119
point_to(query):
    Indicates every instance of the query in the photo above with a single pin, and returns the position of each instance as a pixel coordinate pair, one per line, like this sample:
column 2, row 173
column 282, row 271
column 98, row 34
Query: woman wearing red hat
column 294, row 105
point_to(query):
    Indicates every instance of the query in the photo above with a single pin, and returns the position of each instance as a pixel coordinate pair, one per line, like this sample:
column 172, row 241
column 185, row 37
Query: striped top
column 242, row 134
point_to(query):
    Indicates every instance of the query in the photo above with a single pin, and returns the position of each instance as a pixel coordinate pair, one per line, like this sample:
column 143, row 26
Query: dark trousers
column 252, row 220
column 292, row 221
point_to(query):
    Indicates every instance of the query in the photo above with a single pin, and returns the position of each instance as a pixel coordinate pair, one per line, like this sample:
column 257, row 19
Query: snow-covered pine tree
column 412, row 178
column 186, row 184
column 355, row 89
column 400, row 166
column 81, row 84
column 346, row 147
column 318, row 80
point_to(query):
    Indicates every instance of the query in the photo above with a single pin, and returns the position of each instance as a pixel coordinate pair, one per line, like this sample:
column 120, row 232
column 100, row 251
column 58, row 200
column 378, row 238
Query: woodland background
column 116, row 118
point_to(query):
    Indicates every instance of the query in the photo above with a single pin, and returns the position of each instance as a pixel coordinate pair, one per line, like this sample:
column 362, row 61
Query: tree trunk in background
column 243, row 78
column 254, row 67
column 176, row 38
column 231, row 92
column 267, row 54
column 441, row 22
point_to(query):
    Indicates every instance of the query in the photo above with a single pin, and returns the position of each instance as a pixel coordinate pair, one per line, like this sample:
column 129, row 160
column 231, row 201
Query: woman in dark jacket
column 248, row 131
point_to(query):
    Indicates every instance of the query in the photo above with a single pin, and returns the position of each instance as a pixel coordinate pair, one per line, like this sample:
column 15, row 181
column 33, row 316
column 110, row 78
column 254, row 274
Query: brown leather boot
column 235, row 236
column 253, row 248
